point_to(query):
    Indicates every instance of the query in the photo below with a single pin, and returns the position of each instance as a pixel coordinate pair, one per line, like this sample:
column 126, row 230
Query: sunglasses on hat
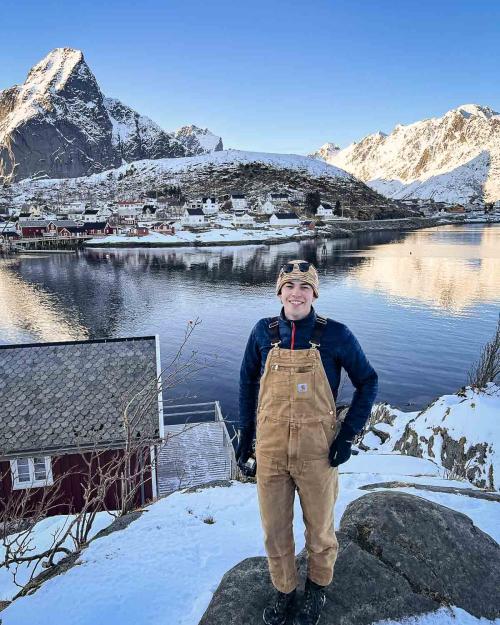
column 289, row 267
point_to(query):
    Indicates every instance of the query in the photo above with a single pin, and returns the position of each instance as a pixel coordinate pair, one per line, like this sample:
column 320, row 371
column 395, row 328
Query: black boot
column 278, row 610
column 314, row 601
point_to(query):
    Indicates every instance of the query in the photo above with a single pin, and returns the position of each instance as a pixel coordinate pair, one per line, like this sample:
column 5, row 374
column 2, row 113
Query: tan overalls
column 296, row 424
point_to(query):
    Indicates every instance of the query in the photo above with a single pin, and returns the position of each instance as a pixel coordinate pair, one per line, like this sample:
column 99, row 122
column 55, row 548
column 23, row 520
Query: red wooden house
column 62, row 410
column 32, row 228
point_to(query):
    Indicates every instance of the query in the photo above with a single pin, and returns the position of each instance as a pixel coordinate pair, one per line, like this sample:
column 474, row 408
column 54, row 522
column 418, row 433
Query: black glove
column 245, row 445
column 340, row 451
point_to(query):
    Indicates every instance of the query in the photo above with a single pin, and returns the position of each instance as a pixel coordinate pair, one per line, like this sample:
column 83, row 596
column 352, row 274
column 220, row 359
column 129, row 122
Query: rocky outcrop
column 458, row 432
column 399, row 556
column 55, row 124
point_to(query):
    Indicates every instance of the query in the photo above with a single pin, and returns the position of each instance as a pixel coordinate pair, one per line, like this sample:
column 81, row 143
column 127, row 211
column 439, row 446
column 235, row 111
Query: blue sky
column 270, row 75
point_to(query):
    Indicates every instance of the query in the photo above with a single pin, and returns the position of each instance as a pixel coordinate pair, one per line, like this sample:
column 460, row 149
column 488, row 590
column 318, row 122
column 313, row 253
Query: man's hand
column 340, row 451
column 245, row 443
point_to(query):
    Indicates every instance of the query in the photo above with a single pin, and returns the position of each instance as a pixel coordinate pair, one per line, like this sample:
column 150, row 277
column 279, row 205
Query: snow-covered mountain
column 453, row 158
column 198, row 140
column 58, row 124
column 326, row 152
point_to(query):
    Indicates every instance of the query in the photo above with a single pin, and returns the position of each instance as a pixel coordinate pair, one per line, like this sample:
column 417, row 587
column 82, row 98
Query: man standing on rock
column 289, row 381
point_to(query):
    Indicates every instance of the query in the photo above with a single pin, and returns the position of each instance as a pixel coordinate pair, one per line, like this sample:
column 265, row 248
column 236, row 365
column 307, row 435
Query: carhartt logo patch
column 302, row 388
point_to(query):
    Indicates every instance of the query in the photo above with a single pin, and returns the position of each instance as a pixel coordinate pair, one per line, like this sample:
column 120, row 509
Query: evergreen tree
column 313, row 200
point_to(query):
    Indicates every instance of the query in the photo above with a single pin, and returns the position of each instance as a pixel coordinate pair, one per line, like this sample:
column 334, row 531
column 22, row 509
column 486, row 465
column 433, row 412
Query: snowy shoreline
column 228, row 237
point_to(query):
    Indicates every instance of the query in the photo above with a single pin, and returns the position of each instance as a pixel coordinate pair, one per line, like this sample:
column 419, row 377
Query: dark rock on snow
column 399, row 556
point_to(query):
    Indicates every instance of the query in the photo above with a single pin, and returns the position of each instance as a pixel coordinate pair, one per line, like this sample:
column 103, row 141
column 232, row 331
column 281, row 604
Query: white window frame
column 33, row 483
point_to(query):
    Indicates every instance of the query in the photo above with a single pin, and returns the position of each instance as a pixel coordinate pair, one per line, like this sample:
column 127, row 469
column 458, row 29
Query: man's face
column 297, row 298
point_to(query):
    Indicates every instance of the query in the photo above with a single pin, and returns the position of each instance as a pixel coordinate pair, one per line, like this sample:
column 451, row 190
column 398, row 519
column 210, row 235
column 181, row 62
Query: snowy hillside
column 222, row 172
column 58, row 124
column 136, row 136
column 453, row 158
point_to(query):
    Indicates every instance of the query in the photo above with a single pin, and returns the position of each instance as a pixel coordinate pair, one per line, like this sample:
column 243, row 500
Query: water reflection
column 445, row 269
column 28, row 312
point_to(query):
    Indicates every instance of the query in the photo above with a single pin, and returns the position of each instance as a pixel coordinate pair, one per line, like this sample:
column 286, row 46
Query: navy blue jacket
column 339, row 348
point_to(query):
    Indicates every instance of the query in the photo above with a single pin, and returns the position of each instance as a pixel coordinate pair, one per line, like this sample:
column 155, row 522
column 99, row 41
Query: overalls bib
column 296, row 424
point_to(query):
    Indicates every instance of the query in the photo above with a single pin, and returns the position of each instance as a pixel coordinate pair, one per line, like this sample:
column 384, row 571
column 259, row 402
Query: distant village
column 137, row 217
column 166, row 215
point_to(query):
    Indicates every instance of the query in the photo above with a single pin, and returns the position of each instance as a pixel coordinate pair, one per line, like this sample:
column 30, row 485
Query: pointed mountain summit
column 453, row 158
column 198, row 140
column 326, row 151
column 58, row 124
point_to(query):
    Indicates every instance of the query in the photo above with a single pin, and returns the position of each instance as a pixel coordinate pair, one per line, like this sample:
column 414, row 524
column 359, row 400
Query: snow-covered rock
column 459, row 432
column 198, row 140
column 453, row 158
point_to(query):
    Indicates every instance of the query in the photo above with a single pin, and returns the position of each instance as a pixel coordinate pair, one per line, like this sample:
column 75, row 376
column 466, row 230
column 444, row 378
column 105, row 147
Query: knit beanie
column 310, row 276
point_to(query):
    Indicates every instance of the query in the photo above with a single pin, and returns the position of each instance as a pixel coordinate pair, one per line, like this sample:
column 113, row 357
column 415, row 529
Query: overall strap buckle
column 275, row 331
column 319, row 326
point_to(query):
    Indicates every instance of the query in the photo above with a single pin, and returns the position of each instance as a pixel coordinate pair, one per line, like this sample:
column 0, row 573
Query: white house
column 238, row 201
column 284, row 219
column 242, row 219
column 325, row 210
column 210, row 205
column 90, row 214
column 25, row 216
column 129, row 208
column 267, row 208
column 193, row 217
column 278, row 198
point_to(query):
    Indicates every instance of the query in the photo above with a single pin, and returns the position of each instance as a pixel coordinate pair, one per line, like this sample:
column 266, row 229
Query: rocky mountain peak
column 326, row 151
column 198, row 140
column 58, row 124
column 468, row 110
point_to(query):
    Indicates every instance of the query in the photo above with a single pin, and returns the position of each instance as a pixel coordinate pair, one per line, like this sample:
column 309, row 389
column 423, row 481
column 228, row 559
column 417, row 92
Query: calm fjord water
column 421, row 303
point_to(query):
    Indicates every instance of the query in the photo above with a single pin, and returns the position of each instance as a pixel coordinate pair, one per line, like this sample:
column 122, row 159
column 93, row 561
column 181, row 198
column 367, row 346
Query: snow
column 444, row 616
column 50, row 74
column 166, row 566
column 185, row 237
column 43, row 539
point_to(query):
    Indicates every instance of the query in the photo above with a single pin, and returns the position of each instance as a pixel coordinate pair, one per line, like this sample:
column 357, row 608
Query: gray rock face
column 136, row 136
column 399, row 556
column 440, row 552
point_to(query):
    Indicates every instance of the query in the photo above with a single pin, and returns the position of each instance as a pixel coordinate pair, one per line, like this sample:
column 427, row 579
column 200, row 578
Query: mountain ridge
column 424, row 159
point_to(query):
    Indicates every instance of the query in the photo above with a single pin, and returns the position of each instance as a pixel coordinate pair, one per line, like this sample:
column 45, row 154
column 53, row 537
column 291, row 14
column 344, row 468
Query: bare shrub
column 487, row 368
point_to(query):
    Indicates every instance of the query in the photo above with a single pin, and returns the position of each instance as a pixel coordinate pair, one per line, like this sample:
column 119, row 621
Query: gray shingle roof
column 63, row 397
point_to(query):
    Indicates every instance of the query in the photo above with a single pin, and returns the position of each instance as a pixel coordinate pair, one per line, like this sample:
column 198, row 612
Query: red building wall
column 75, row 471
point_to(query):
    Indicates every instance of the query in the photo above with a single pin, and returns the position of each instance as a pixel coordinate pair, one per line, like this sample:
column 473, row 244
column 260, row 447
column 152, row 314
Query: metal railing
column 188, row 410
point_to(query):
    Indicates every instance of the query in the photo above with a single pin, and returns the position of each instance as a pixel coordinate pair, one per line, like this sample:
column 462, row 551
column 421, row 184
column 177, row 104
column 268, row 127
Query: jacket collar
column 306, row 321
